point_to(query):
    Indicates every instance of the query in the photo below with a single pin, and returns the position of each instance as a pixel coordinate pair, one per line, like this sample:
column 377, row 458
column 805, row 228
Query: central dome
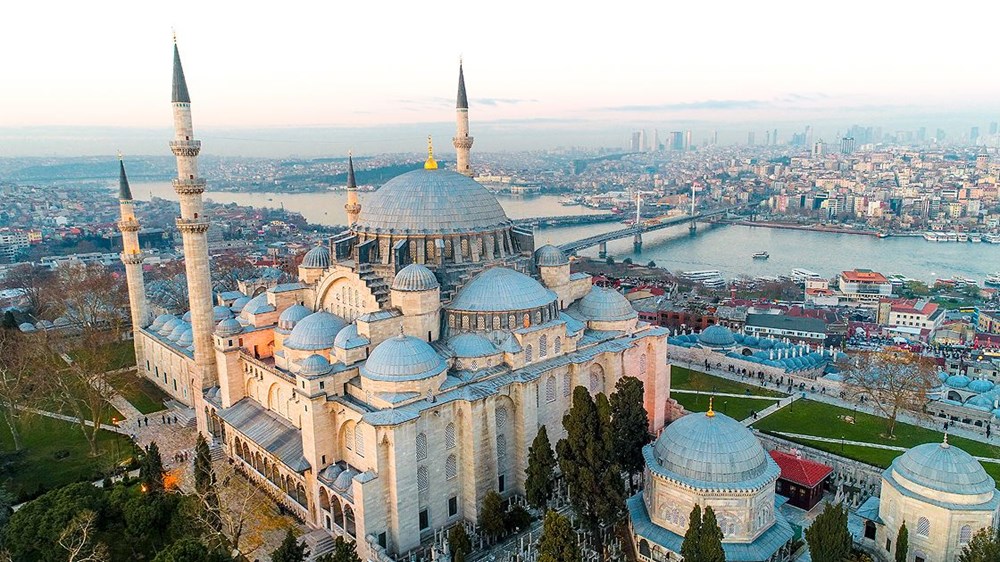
column 431, row 202
column 712, row 450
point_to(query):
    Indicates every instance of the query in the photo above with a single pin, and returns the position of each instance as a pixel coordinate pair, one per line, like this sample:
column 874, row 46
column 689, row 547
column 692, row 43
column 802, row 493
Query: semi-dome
column 292, row 316
column 26, row 327
column 403, row 358
column 712, row 449
column 471, row 345
column 415, row 277
column 314, row 365
column 317, row 258
column 159, row 322
column 957, row 381
column 944, row 468
column 716, row 336
column 228, row 327
column 499, row 289
column 431, row 201
column 549, row 255
column 238, row 304
column 606, row 305
column 221, row 312
column 347, row 337
column 315, row 331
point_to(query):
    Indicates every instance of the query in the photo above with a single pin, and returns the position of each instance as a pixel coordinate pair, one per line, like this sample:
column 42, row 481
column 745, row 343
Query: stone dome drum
column 500, row 289
column 712, row 450
column 549, row 256
column 316, row 331
column 314, row 365
column 431, row 202
column 415, row 277
column 228, row 327
column 317, row 258
column 944, row 468
column 606, row 305
column 403, row 358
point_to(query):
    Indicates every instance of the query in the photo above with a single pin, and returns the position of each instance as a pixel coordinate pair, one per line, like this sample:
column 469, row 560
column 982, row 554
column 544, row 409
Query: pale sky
column 528, row 63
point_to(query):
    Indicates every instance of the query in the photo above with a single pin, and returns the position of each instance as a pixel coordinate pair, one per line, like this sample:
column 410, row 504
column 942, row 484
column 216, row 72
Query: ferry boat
column 992, row 238
column 950, row 236
column 975, row 237
column 931, row 236
column 800, row 275
column 963, row 236
column 710, row 278
column 993, row 279
column 761, row 256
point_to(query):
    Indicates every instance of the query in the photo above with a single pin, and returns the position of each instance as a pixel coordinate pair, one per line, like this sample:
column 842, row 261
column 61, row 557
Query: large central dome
column 430, row 202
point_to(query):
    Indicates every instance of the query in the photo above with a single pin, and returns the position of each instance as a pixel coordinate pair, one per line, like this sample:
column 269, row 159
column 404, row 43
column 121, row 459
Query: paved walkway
column 770, row 410
column 728, row 394
column 862, row 444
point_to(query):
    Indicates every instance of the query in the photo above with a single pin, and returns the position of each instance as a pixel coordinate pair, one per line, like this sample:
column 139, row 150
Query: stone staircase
column 185, row 416
column 319, row 542
column 217, row 452
column 378, row 287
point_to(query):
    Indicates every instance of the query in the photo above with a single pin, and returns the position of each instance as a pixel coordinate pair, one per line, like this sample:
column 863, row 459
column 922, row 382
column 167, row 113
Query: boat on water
column 975, row 237
column 992, row 238
column 710, row 278
column 993, row 280
column 801, row 275
column 963, row 236
column 761, row 256
column 931, row 236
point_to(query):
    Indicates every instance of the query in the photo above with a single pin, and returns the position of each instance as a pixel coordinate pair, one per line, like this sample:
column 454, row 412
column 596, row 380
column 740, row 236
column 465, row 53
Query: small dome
column 178, row 331
column 315, row 331
column 471, row 345
column 238, row 304
column 187, row 316
column 606, row 305
column 549, row 256
column 314, row 365
column 499, row 289
column 944, row 468
column 169, row 326
column 711, row 450
column 257, row 305
column 403, row 358
column 220, row 313
column 228, row 327
column 186, row 339
column 415, row 277
column 980, row 402
column 26, row 327
column 292, row 315
column 716, row 336
column 348, row 337
column 942, row 376
column 980, row 385
column 317, row 258
column 159, row 322
column 957, row 381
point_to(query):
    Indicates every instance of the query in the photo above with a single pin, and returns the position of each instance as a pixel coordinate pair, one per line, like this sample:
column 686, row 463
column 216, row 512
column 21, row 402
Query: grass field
column 819, row 419
column 688, row 379
column 56, row 453
column 121, row 354
column 140, row 392
column 736, row 408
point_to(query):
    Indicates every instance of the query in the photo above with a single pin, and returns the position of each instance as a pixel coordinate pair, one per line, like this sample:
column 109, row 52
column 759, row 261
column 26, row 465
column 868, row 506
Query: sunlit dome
column 415, row 277
column 315, row 331
column 292, row 315
column 549, row 255
column 228, row 327
column 606, row 305
column 403, row 358
column 317, row 258
column 314, row 365
column 944, row 468
column 471, row 345
column 220, row 313
column 499, row 289
column 716, row 336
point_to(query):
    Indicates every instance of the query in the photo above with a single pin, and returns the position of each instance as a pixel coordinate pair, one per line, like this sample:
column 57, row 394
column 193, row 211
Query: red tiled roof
column 801, row 471
column 863, row 276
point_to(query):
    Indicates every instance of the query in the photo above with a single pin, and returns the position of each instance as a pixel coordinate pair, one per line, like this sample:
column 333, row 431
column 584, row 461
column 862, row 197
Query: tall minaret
column 193, row 226
column 353, row 207
column 132, row 258
column 462, row 140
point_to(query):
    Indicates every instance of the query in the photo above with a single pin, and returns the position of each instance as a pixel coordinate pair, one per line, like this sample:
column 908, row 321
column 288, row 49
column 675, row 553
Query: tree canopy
column 828, row 537
column 558, row 542
column 540, row 473
column 290, row 549
column 984, row 546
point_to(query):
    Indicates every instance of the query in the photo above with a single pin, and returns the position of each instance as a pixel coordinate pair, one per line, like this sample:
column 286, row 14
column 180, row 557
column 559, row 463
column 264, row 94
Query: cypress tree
column 629, row 424
column 710, row 540
column 558, row 541
column 151, row 470
column 902, row 543
column 204, row 476
column 691, row 547
column 290, row 550
column 540, row 472
column 828, row 537
column 491, row 516
column 458, row 543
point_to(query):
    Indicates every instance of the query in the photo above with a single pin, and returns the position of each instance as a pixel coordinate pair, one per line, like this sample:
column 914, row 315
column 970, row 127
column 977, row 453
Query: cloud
column 501, row 101
column 715, row 105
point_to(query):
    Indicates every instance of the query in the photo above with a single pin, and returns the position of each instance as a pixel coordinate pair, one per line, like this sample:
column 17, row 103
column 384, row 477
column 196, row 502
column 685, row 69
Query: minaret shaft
column 132, row 258
column 462, row 140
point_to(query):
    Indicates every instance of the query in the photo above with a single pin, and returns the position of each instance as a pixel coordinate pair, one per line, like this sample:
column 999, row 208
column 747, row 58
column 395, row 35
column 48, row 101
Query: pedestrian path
column 726, row 394
column 770, row 410
column 862, row 444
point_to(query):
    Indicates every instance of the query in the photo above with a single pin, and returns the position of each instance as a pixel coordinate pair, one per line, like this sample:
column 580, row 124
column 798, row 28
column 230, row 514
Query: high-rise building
column 939, row 135
column 774, row 137
column 715, row 137
column 687, row 140
column 635, row 144
column 974, row 135
column 817, row 149
column 750, row 138
column 676, row 140
column 847, row 145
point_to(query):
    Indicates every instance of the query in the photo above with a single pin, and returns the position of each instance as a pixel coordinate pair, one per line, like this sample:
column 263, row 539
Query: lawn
column 120, row 354
column 819, row 419
column 55, row 454
column 736, row 408
column 688, row 379
column 139, row 391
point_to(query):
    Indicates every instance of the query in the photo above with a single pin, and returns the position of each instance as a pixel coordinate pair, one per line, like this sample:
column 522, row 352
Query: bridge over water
column 569, row 220
column 636, row 231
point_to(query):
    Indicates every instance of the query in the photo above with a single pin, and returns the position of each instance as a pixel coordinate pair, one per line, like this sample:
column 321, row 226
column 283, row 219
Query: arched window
column 496, row 322
column 422, row 482
column 349, row 436
column 965, row 534
column 451, row 467
column 923, row 527
column 501, row 449
column 538, row 317
column 449, row 436
column 543, row 346
column 550, row 389
column 511, row 322
column 528, row 352
column 451, row 320
column 359, row 442
column 421, row 446
column 481, row 322
column 501, row 415
column 596, row 379
column 567, row 384
column 642, row 365
column 558, row 345
column 527, row 320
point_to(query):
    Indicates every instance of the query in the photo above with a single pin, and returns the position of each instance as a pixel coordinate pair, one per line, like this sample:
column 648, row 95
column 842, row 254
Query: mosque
column 407, row 371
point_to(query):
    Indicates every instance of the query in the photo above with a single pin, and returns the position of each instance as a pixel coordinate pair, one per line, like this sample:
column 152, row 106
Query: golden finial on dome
column 710, row 413
column 430, row 164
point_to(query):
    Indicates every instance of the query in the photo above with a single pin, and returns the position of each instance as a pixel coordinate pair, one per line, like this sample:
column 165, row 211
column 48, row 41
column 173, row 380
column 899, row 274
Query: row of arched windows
column 471, row 321
column 341, row 515
column 354, row 439
column 270, row 471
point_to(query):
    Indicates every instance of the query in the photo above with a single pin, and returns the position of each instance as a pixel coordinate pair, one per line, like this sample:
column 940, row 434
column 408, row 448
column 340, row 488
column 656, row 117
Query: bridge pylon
column 693, row 228
column 637, row 243
column 602, row 250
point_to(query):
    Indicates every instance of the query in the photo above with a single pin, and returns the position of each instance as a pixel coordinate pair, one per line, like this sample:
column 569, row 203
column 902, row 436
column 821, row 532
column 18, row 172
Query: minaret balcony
column 128, row 226
column 186, row 226
column 185, row 147
column 132, row 259
column 462, row 142
column 188, row 186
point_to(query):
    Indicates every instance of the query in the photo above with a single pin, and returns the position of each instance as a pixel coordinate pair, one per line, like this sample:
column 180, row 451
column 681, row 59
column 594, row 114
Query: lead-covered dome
column 221, row 312
column 403, row 358
column 500, row 289
column 958, row 381
column 606, row 305
column 431, row 202
column 317, row 258
column 549, row 256
column 314, row 365
column 159, row 322
column 228, row 327
column 471, row 345
column 944, row 468
column 710, row 450
column 716, row 336
column 292, row 316
column 316, row 331
column 415, row 277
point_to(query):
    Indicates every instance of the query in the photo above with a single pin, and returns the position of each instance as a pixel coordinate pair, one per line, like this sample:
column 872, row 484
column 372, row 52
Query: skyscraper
column 847, row 145
column 750, row 138
column 974, row 135
column 676, row 140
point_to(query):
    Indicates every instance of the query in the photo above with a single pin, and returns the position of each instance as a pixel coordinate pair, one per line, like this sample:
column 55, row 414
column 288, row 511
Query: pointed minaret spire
column 462, row 140
column 351, row 182
column 353, row 206
column 124, row 191
column 180, row 89
column 463, row 99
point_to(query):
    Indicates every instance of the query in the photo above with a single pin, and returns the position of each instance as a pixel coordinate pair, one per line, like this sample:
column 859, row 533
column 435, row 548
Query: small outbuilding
column 801, row 480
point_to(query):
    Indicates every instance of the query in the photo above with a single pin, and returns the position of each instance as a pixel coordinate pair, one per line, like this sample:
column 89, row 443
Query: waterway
column 725, row 248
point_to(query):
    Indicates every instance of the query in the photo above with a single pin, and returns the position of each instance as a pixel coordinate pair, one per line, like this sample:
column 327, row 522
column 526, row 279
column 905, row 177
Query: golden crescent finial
column 430, row 164
column 120, row 155
column 710, row 413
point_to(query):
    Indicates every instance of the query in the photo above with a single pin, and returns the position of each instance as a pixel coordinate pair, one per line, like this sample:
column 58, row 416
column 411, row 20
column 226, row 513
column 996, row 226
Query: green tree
column 151, row 470
column 691, row 546
column 828, row 537
column 540, row 473
column 627, row 261
column 984, row 546
column 491, row 516
column 710, row 539
column 629, row 425
column 204, row 477
column 33, row 532
column 651, row 264
column 458, row 543
column 343, row 551
column 558, row 541
column 9, row 323
column 290, row 550
column 902, row 543
column 190, row 549
column 609, row 260
column 7, row 501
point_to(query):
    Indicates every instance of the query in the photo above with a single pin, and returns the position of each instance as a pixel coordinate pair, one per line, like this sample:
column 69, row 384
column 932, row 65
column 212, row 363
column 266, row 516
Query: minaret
column 353, row 207
column 132, row 258
column 193, row 226
column 462, row 140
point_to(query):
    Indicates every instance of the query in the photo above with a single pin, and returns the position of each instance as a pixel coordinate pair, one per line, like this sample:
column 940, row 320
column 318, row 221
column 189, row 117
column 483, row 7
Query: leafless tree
column 891, row 381
column 38, row 284
column 78, row 539
column 21, row 364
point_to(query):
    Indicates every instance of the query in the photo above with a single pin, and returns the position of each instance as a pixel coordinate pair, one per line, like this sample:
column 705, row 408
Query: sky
column 80, row 75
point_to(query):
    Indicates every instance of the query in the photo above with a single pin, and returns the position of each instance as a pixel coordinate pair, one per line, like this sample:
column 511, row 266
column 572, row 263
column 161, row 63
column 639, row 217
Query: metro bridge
column 568, row 220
